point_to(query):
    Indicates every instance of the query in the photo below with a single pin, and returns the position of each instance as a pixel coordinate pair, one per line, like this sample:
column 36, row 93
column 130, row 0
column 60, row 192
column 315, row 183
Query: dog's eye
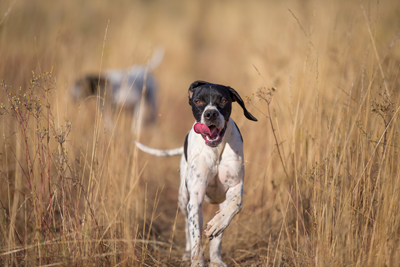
column 198, row 102
column 223, row 101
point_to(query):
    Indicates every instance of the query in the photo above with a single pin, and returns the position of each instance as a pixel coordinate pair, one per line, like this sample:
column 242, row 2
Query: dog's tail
column 157, row 57
column 160, row 153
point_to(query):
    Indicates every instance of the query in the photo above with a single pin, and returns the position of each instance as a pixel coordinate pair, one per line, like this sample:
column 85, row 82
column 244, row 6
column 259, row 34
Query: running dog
column 211, row 167
column 125, row 86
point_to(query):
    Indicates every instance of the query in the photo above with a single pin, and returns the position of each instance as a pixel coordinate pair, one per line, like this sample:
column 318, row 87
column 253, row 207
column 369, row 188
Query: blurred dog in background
column 124, row 88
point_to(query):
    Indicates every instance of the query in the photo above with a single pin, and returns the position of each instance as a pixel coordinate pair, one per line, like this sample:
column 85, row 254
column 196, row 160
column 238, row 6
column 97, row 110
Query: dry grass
column 323, row 75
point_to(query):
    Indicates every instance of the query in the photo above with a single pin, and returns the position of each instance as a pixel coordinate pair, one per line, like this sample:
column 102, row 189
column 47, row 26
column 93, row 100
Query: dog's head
column 211, row 107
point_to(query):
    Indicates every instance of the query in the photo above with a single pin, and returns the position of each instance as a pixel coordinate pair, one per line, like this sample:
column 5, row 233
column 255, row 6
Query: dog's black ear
column 236, row 97
column 193, row 87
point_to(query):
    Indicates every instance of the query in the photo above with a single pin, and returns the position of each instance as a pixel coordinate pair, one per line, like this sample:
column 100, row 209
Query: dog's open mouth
column 211, row 134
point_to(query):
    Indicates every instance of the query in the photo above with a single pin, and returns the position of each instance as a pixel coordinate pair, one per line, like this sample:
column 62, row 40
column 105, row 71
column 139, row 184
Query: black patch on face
column 202, row 93
column 88, row 86
column 214, row 95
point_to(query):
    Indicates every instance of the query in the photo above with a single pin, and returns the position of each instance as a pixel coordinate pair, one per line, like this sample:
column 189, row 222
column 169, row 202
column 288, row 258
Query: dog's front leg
column 196, row 185
column 195, row 220
column 232, row 206
column 216, row 246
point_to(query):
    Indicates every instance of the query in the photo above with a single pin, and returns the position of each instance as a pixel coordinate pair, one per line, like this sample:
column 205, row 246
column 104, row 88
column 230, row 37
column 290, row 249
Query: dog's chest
column 219, row 168
column 222, row 175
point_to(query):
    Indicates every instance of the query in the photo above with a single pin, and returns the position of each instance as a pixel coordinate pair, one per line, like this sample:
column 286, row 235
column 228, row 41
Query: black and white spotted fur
column 212, row 171
column 124, row 87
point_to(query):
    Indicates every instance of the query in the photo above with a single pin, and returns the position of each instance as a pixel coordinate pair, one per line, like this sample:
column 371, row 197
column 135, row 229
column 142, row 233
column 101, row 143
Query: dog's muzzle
column 212, row 135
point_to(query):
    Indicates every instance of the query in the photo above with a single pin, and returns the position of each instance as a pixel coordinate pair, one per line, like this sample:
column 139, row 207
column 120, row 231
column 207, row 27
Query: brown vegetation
column 322, row 177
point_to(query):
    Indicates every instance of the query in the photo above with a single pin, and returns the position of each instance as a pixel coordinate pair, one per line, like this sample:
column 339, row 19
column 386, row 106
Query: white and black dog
column 211, row 167
column 126, row 86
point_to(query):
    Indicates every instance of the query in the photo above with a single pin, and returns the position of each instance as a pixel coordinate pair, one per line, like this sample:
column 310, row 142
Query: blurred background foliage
column 334, row 67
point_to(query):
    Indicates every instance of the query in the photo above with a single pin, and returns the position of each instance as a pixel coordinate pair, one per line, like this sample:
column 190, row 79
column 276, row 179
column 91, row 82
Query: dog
column 126, row 87
column 211, row 167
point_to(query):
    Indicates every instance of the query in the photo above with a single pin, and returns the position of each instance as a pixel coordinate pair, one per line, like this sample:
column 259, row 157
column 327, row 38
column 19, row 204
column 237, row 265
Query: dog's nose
column 211, row 114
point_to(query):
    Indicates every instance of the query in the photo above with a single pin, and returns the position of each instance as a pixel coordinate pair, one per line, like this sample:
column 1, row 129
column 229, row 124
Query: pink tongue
column 200, row 128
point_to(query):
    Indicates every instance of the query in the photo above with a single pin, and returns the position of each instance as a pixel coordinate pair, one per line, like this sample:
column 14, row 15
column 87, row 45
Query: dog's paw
column 197, row 264
column 217, row 225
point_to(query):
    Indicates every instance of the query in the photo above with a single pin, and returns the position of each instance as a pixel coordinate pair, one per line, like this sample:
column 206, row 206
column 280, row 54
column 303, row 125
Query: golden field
column 322, row 176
